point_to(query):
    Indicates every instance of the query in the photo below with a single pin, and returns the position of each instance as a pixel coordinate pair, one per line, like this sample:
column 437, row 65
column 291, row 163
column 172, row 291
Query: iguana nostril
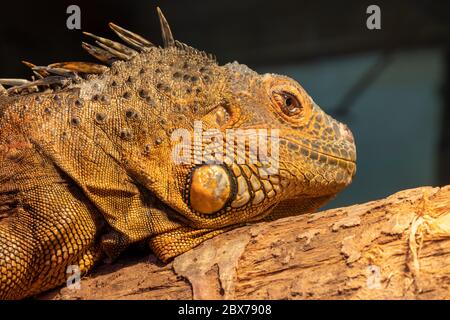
column 347, row 133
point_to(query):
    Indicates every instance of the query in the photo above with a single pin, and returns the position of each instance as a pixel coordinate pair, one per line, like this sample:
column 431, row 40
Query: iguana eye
column 288, row 103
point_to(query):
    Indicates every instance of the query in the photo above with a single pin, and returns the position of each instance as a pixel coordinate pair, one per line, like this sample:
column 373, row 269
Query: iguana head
column 268, row 144
column 294, row 157
column 252, row 146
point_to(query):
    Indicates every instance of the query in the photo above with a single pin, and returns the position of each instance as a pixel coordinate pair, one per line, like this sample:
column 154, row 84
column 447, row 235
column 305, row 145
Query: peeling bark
column 394, row 248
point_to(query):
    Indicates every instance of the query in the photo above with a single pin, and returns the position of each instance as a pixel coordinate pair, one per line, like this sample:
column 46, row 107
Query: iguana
column 87, row 156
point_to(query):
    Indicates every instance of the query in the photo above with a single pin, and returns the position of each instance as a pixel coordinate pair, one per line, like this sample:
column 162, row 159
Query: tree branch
column 394, row 248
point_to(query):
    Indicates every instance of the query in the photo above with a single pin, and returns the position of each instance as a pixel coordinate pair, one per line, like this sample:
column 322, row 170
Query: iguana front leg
column 52, row 226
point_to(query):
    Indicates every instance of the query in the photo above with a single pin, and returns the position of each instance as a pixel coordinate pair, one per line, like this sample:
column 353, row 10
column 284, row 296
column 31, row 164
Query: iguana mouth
column 310, row 151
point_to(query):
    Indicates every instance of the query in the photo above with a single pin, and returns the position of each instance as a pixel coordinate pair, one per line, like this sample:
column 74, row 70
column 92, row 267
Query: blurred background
column 391, row 86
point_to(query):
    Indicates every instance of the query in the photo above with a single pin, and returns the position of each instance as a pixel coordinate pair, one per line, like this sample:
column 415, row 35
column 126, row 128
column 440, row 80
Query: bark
column 393, row 248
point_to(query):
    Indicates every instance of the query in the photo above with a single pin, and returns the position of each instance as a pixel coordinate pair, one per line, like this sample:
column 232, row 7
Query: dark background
column 391, row 86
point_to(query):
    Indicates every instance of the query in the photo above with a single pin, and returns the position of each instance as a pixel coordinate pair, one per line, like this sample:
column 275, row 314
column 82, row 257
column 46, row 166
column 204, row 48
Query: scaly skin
column 87, row 169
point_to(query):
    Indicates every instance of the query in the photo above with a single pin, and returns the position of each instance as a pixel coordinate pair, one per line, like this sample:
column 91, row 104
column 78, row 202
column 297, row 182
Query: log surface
column 393, row 248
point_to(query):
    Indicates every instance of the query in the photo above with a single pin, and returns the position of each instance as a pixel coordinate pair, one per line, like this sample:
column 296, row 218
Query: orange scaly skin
column 86, row 164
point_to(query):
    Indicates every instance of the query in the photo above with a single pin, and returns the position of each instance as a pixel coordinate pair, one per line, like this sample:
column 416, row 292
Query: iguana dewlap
column 87, row 160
